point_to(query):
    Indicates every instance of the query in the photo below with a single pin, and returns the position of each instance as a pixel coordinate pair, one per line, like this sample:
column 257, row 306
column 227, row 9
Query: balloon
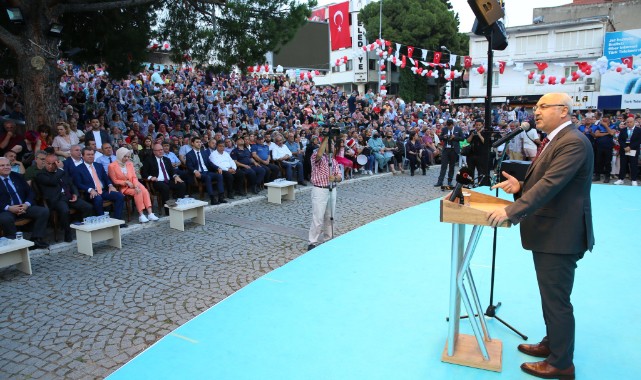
column 530, row 76
column 316, row 72
column 481, row 70
column 542, row 79
column 619, row 69
column 563, row 80
column 552, row 80
column 542, row 76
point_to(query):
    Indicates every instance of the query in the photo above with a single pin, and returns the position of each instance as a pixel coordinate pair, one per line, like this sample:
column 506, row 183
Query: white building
column 559, row 44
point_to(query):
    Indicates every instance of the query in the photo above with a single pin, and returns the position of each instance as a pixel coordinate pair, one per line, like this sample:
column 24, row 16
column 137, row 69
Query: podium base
column 467, row 353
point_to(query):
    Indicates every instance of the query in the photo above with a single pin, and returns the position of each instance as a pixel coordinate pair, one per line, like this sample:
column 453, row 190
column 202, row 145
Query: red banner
column 339, row 26
column 501, row 67
column 437, row 57
column 410, row 51
column 318, row 15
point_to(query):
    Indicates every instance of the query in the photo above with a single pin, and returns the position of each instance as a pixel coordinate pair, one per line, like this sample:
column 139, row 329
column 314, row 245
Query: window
column 349, row 66
column 495, row 79
column 372, row 64
column 539, row 72
column 532, row 44
column 578, row 39
column 336, row 69
column 572, row 69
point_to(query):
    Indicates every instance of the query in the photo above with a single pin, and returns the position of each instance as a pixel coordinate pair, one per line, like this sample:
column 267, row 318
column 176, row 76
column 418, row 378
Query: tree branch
column 74, row 6
column 10, row 40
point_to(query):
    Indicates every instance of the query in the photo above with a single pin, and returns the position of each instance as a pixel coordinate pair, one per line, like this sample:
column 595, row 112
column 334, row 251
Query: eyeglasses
column 546, row 106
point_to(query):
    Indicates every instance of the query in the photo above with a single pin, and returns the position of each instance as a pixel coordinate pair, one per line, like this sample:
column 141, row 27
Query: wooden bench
column 16, row 252
column 179, row 213
column 276, row 190
column 87, row 234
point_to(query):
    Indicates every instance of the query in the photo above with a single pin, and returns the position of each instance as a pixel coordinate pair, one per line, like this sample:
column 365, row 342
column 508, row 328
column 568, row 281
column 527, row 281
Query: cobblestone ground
column 81, row 317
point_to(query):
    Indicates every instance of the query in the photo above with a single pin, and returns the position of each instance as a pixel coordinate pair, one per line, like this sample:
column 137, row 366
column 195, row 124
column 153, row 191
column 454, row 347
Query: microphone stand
column 492, row 308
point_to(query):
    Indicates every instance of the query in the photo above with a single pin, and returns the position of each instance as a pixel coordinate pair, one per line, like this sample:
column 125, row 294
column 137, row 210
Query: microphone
column 464, row 177
column 511, row 135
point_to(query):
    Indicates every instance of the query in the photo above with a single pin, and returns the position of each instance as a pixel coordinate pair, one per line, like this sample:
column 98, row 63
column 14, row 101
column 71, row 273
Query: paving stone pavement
column 81, row 317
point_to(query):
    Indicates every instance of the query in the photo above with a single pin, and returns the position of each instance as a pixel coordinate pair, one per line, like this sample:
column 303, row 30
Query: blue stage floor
column 371, row 304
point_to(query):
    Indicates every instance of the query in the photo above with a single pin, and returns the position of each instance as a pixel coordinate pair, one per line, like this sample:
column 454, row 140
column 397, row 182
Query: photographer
column 476, row 159
column 324, row 178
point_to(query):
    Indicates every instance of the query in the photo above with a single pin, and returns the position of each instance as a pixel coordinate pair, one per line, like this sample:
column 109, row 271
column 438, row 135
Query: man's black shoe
column 171, row 202
column 124, row 225
column 597, row 177
column 424, row 171
column 39, row 244
column 221, row 198
column 213, row 200
column 606, row 180
column 68, row 238
column 438, row 185
column 302, row 183
column 310, row 247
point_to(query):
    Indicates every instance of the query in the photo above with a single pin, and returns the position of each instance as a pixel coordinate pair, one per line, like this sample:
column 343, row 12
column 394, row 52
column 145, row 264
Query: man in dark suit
column 16, row 201
column 100, row 136
column 554, row 209
column 629, row 140
column 61, row 194
column 157, row 169
column 74, row 160
column 451, row 138
column 198, row 163
column 95, row 183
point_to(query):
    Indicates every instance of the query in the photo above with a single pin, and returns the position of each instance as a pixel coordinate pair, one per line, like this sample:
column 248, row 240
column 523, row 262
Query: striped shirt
column 320, row 170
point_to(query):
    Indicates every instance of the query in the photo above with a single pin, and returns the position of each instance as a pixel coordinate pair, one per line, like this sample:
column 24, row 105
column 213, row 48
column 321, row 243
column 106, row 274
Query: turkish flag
column 437, row 57
column 628, row 61
column 318, row 15
column 410, row 51
column 467, row 62
column 501, row 67
column 339, row 26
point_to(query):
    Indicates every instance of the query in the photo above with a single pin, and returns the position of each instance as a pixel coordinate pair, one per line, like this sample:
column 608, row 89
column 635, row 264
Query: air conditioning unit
column 589, row 80
column 588, row 88
column 463, row 92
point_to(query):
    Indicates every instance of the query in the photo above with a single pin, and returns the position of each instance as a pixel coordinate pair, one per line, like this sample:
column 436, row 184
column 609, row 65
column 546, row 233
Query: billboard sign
column 623, row 47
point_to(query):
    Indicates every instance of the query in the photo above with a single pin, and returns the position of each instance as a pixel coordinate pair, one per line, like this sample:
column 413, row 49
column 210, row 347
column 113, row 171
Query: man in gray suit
column 553, row 206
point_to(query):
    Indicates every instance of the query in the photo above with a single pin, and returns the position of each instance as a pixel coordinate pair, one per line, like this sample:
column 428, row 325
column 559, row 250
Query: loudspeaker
column 489, row 11
column 497, row 31
column 515, row 168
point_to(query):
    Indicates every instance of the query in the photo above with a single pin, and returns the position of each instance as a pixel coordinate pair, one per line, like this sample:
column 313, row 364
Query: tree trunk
column 41, row 92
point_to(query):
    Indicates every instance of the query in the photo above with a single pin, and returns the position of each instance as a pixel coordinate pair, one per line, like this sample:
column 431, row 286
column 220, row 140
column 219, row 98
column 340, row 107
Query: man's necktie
column 200, row 163
column 15, row 200
column 96, row 180
column 110, row 159
column 164, row 172
column 544, row 142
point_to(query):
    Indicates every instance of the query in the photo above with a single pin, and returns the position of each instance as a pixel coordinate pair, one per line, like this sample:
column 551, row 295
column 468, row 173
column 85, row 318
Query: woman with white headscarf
column 123, row 175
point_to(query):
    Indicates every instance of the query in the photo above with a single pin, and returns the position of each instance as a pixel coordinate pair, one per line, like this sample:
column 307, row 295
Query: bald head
column 552, row 110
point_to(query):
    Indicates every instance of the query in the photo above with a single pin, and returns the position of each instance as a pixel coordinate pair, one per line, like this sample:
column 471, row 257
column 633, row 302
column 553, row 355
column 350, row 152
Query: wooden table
column 16, row 252
column 276, row 190
column 87, row 234
column 179, row 213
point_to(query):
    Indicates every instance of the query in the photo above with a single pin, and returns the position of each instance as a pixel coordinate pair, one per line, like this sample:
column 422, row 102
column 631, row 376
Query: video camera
column 332, row 130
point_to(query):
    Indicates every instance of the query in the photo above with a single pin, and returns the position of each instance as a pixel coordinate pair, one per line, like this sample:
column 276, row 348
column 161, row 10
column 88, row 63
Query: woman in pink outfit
column 123, row 175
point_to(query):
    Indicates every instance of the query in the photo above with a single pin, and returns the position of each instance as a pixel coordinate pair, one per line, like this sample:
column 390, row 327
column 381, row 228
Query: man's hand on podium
column 510, row 186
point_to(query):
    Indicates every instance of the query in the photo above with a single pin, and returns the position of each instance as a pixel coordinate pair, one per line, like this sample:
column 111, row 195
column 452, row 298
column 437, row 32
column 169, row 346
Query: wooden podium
column 478, row 350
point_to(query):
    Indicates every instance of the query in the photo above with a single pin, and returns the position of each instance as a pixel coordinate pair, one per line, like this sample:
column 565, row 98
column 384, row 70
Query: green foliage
column 117, row 37
column 239, row 33
column 426, row 24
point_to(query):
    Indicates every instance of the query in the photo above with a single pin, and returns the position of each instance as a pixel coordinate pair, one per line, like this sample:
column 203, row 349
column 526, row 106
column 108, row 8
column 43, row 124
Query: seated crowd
column 226, row 135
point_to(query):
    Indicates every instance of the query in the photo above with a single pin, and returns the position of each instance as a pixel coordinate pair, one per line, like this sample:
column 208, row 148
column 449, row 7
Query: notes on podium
column 478, row 350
